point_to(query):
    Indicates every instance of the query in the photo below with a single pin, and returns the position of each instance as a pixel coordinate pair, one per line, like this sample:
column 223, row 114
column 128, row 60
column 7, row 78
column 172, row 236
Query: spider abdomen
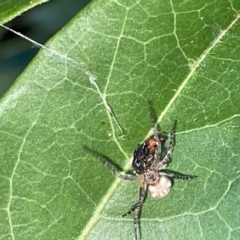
column 160, row 188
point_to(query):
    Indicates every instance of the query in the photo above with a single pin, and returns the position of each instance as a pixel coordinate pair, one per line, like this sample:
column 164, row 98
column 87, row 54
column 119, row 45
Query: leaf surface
column 90, row 86
column 10, row 9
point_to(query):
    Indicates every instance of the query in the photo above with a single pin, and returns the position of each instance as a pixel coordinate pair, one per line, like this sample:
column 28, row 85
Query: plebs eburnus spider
column 149, row 161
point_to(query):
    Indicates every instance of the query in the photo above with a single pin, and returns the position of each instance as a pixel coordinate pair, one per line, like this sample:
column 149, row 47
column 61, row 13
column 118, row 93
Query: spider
column 149, row 161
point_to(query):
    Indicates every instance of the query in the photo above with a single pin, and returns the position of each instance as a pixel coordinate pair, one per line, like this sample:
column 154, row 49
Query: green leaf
column 10, row 9
column 94, row 80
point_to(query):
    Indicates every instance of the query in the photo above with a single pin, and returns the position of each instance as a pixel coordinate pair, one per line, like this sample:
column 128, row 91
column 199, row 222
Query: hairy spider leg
column 165, row 161
column 178, row 176
column 153, row 118
column 160, row 139
column 110, row 167
column 155, row 132
column 137, row 208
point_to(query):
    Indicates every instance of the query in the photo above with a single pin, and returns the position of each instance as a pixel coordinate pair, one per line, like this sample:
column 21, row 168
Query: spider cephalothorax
column 144, row 155
column 149, row 161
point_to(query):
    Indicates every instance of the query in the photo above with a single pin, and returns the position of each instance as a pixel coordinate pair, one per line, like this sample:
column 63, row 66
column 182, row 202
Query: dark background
column 39, row 24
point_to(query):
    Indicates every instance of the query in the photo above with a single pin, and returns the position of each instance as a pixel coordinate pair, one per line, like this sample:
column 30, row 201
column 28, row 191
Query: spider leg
column 154, row 124
column 109, row 166
column 178, row 176
column 165, row 161
column 153, row 118
column 113, row 170
column 137, row 208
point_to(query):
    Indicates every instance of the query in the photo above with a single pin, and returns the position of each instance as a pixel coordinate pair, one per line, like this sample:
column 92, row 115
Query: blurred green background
column 39, row 24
